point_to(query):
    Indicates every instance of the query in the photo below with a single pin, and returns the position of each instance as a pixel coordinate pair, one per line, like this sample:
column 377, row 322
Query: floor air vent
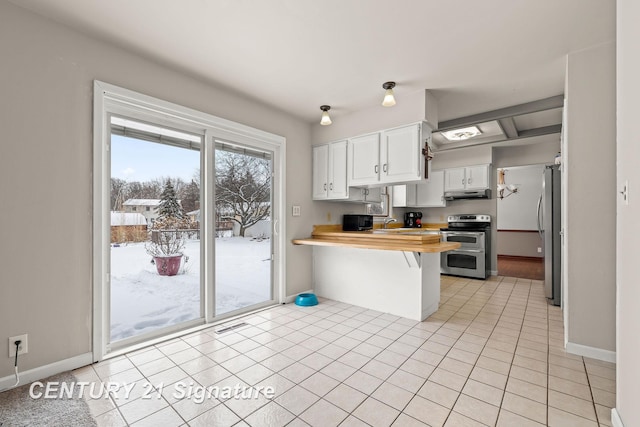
column 230, row 328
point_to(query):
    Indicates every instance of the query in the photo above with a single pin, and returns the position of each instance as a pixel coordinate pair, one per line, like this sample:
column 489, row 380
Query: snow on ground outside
column 142, row 300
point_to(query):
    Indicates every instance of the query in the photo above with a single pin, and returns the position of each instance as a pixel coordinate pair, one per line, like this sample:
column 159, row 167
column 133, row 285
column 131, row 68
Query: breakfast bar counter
column 388, row 271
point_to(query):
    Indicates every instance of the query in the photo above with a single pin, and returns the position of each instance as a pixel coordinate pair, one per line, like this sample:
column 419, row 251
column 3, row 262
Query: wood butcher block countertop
column 407, row 240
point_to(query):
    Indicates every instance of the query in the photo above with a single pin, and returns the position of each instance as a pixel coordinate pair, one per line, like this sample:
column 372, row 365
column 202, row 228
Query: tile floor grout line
column 483, row 347
column 396, row 340
column 370, row 395
column 479, row 354
column 457, row 308
column 508, row 374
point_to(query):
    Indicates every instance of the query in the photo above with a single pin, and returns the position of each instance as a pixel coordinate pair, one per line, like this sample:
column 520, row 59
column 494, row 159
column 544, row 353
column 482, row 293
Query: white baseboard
column 292, row 298
column 494, row 272
column 45, row 371
column 615, row 418
column 592, row 352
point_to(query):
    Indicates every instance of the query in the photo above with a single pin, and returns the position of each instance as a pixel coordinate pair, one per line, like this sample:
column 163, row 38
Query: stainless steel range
column 472, row 259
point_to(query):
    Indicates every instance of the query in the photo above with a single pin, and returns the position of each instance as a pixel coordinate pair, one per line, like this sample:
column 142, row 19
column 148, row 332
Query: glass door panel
column 243, row 227
column 155, row 231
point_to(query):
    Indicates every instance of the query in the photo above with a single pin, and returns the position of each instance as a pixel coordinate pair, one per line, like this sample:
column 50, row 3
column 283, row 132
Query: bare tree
column 190, row 196
column 118, row 193
column 243, row 188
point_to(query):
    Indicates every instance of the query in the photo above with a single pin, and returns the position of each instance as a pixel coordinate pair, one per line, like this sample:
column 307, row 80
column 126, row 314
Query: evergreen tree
column 169, row 206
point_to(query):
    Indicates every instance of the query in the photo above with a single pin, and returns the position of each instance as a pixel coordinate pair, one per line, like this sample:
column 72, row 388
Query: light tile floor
column 492, row 355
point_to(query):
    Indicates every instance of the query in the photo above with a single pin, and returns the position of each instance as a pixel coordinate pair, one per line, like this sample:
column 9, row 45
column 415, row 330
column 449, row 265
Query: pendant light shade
column 326, row 120
column 389, row 100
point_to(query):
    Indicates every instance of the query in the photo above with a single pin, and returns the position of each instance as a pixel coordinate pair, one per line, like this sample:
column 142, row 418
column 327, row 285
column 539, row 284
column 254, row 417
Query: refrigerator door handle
column 538, row 216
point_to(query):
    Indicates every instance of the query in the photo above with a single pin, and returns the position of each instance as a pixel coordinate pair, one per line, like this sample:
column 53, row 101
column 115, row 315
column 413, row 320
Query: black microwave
column 357, row 222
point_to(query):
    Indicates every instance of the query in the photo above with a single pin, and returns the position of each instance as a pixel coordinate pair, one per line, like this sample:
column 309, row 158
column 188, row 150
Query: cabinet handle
column 325, row 186
column 375, row 168
column 469, row 181
column 384, row 167
column 462, row 181
column 331, row 186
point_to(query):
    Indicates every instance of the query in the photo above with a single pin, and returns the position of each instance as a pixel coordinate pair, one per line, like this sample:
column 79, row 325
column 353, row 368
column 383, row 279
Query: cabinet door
column 337, row 179
column 400, row 154
column 454, row 179
column 399, row 196
column 477, row 177
column 431, row 192
column 364, row 160
column 373, row 195
column 320, row 171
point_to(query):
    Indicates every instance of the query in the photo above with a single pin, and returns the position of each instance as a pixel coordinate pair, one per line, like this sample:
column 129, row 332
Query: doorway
column 519, row 244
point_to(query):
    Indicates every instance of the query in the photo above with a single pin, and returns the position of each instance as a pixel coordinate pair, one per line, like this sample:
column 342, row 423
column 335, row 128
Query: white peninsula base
column 405, row 284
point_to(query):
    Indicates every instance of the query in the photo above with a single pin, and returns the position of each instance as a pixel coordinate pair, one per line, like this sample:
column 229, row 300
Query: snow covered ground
column 142, row 300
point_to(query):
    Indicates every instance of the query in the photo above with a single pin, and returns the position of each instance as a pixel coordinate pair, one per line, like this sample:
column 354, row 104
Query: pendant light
column 389, row 100
column 326, row 120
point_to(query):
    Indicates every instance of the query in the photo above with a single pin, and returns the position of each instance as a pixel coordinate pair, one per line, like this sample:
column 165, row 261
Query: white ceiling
column 476, row 55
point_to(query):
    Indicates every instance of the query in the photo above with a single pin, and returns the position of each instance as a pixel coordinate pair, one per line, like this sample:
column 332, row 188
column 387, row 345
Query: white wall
column 513, row 243
column 628, row 299
column 590, row 215
column 518, row 210
column 45, row 174
column 540, row 150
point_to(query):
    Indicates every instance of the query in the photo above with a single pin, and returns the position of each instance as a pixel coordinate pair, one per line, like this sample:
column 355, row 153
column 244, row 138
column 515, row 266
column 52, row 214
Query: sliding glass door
column 187, row 213
column 243, row 227
column 155, row 247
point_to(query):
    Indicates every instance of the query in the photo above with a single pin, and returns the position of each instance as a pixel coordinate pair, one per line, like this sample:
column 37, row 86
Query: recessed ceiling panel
column 538, row 119
column 490, row 131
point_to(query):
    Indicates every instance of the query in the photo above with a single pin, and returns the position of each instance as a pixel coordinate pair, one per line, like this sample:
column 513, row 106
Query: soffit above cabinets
column 513, row 123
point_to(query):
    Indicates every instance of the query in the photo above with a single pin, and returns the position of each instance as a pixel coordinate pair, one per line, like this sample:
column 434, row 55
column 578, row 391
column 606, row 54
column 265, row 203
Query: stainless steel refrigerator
column 549, row 227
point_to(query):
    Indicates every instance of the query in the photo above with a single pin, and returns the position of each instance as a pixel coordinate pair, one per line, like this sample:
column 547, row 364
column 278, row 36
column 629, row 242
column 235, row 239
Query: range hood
column 468, row 194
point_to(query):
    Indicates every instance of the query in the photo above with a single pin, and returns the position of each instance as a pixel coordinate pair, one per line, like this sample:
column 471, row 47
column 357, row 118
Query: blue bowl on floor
column 306, row 300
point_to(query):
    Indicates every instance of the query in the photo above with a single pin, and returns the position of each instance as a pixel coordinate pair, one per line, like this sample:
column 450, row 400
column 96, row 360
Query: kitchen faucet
column 388, row 220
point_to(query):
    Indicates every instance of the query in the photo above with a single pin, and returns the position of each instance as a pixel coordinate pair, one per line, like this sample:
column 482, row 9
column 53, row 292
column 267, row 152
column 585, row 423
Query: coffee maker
column 413, row 219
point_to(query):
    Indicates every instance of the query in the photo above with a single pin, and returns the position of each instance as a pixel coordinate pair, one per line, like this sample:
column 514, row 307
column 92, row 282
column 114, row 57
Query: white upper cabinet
column 467, row 178
column 425, row 194
column 330, row 171
column 477, row 177
column 431, row 192
column 454, row 179
column 365, row 195
column 320, row 171
column 364, row 159
column 400, row 154
column 389, row 156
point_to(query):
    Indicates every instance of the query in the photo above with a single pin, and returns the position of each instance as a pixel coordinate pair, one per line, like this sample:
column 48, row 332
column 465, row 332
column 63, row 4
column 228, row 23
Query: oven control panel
column 469, row 218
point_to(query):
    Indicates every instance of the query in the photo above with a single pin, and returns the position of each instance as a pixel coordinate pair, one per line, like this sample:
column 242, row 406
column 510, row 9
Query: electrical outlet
column 296, row 211
column 22, row 349
column 539, row 250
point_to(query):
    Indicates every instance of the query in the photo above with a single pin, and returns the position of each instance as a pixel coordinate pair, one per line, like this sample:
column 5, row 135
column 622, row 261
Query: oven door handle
column 462, row 251
column 463, row 233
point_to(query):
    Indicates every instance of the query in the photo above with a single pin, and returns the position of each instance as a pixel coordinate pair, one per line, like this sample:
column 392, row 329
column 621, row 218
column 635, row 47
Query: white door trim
column 109, row 99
